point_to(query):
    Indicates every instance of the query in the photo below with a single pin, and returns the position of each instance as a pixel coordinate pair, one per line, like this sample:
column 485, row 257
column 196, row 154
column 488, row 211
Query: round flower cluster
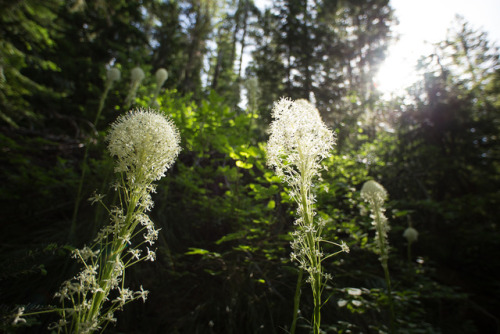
column 299, row 139
column 145, row 143
column 410, row 234
column 161, row 76
column 137, row 75
column 113, row 74
column 374, row 193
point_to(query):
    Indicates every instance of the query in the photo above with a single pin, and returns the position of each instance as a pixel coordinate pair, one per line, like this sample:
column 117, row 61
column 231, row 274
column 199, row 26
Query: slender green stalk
column 296, row 301
column 384, row 260
column 409, row 252
column 389, row 292
column 115, row 75
column 312, row 250
column 72, row 229
column 117, row 248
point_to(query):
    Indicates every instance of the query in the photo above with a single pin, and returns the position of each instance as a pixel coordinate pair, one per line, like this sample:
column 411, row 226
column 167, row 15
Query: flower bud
column 161, row 76
column 137, row 74
column 113, row 74
column 410, row 234
column 373, row 192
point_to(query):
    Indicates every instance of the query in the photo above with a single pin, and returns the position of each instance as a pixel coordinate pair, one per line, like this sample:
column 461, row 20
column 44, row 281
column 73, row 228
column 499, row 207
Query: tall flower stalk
column 299, row 141
column 145, row 144
column 112, row 75
column 376, row 195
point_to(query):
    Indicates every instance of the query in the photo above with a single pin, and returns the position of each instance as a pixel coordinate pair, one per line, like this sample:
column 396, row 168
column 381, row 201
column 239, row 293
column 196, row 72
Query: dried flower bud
column 145, row 142
column 113, row 74
column 161, row 76
column 410, row 234
column 373, row 192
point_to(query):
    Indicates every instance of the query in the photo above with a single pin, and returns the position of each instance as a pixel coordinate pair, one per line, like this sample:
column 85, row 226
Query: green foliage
column 28, row 29
column 224, row 246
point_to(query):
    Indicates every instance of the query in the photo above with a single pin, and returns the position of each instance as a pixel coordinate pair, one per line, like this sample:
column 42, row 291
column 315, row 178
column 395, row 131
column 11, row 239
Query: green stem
column 389, row 291
column 409, row 251
column 72, row 229
column 317, row 304
column 296, row 302
column 131, row 95
column 157, row 92
column 384, row 256
column 115, row 252
column 78, row 199
column 313, row 249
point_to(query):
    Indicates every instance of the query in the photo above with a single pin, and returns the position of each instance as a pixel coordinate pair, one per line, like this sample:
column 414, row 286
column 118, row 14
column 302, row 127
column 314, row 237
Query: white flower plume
column 145, row 143
column 136, row 75
column 299, row 138
column 410, row 234
column 113, row 74
column 161, row 76
column 373, row 192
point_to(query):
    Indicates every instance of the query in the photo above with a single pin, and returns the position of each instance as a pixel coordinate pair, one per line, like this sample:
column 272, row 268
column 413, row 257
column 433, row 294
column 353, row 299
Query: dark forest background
column 223, row 254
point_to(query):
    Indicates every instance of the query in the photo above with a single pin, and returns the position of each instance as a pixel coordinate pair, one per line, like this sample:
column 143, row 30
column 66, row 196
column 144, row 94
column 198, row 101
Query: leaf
column 244, row 165
column 231, row 236
column 202, row 252
column 233, row 155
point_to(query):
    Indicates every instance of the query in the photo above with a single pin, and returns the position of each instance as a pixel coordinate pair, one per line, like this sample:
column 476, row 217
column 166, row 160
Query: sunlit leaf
column 244, row 165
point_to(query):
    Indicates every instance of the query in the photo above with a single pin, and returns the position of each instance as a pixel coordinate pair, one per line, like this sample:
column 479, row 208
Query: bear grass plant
column 375, row 195
column 145, row 144
column 298, row 142
column 411, row 236
column 161, row 76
